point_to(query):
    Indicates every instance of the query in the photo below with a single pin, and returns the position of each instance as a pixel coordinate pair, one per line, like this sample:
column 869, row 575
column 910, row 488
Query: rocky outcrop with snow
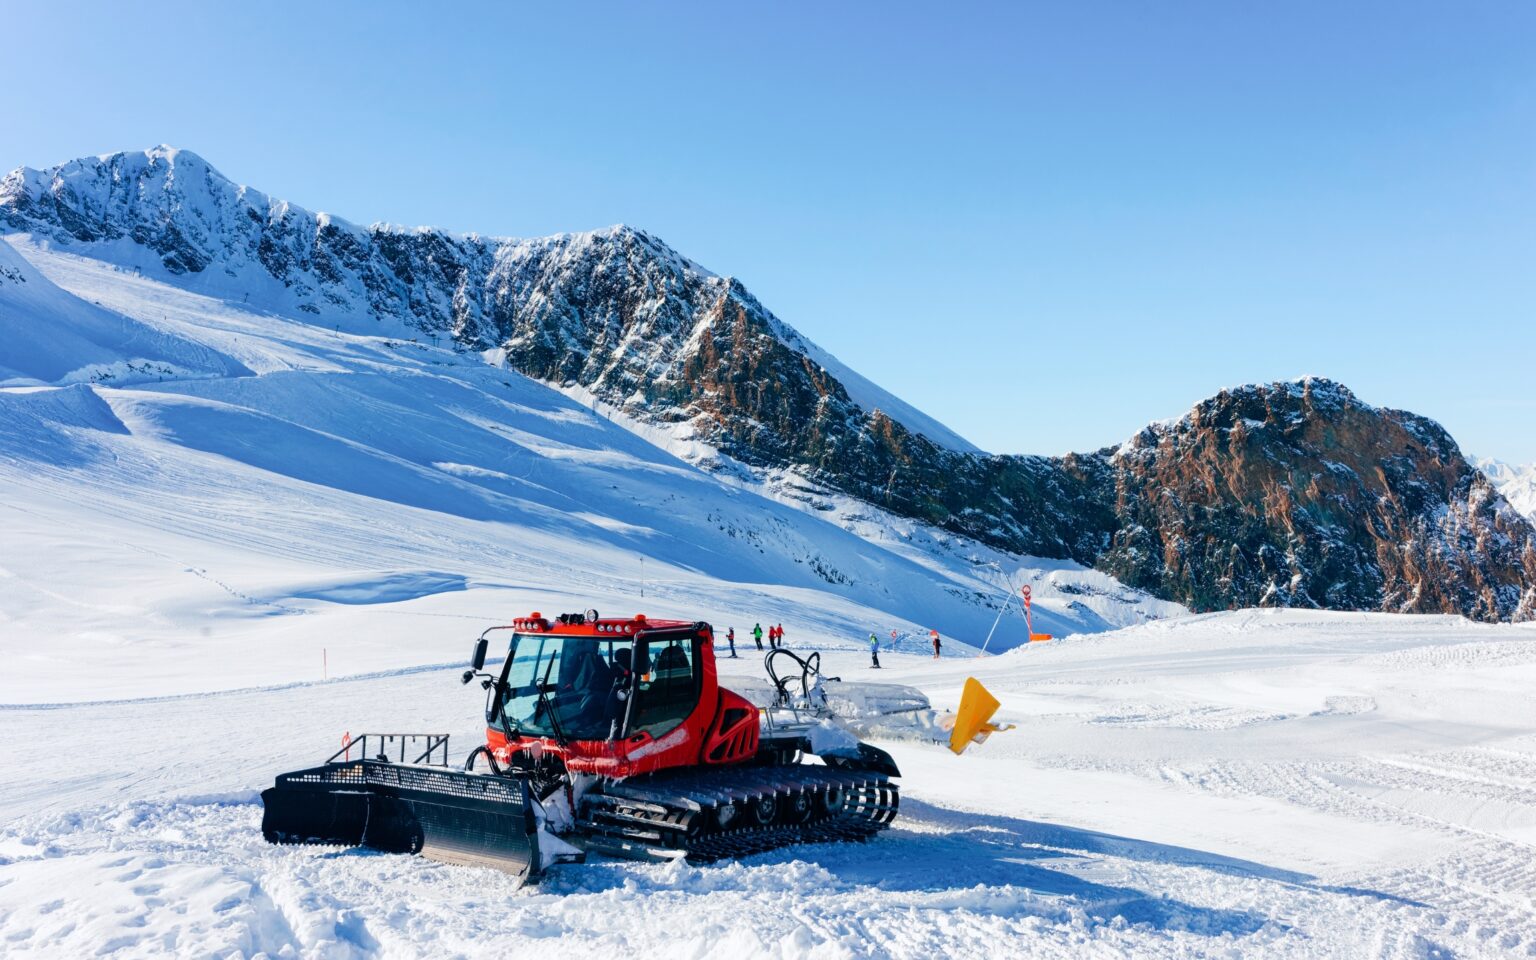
column 1299, row 494
column 1292, row 494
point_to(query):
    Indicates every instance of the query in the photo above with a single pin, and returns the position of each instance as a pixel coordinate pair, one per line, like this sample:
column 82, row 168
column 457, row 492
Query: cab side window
column 669, row 690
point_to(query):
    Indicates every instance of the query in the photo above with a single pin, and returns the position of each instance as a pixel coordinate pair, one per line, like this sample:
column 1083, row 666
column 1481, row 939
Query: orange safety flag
column 972, row 719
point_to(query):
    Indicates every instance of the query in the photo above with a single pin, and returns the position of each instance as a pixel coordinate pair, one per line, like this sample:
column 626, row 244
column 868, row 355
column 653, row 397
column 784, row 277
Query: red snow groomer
column 602, row 735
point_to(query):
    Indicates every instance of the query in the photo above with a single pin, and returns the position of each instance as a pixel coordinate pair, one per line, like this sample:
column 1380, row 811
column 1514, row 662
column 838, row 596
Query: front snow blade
column 299, row 815
column 462, row 818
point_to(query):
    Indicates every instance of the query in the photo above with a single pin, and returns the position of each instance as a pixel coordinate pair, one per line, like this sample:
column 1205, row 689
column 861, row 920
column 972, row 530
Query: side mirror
column 477, row 661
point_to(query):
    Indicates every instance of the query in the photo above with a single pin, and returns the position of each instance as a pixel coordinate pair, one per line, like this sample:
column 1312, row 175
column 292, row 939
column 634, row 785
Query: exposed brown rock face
column 1298, row 494
column 1286, row 494
column 621, row 314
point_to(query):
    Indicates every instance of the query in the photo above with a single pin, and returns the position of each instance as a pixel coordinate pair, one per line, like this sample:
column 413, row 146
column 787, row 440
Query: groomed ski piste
column 1247, row 784
column 231, row 536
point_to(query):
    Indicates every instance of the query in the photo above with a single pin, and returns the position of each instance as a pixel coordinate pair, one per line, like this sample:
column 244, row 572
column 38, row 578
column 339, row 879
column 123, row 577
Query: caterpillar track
column 726, row 813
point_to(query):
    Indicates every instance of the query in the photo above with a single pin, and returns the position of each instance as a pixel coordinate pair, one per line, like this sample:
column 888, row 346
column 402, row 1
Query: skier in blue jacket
column 874, row 651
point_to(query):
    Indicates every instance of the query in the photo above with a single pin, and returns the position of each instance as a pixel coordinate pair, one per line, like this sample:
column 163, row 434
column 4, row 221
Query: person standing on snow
column 874, row 651
column 781, row 634
column 936, row 643
column 730, row 637
column 757, row 634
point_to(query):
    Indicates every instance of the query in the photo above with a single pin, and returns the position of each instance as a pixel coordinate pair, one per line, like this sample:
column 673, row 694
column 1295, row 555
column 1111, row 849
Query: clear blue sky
column 1045, row 224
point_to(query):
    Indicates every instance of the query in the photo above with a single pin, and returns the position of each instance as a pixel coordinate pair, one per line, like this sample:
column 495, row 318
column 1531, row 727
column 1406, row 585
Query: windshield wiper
column 499, row 714
column 548, row 705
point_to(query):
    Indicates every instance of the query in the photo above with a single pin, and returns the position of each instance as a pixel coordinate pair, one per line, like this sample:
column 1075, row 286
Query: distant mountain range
column 1516, row 483
column 1292, row 493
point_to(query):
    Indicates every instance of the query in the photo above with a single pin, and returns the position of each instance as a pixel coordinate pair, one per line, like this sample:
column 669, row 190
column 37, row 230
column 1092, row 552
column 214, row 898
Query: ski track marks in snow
column 193, row 877
column 1378, row 813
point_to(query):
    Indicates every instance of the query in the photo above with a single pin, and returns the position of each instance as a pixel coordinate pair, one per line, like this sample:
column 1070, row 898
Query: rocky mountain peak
column 614, row 310
column 1298, row 494
column 1289, row 493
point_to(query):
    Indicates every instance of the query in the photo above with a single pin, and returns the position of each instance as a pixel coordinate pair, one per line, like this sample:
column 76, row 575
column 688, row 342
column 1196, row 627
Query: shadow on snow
column 974, row 860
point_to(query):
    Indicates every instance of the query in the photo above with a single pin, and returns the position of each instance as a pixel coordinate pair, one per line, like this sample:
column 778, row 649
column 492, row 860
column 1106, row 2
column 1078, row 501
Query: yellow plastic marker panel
column 976, row 708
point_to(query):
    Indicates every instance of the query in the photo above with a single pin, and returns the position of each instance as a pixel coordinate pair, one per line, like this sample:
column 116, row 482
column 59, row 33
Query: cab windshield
column 580, row 679
column 584, row 688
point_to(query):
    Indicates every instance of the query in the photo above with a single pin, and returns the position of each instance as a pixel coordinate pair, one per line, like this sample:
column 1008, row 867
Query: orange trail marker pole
column 1029, row 620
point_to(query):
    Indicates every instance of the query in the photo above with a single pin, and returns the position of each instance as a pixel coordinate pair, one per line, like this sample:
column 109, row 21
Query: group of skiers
column 776, row 640
column 775, row 637
column 874, row 647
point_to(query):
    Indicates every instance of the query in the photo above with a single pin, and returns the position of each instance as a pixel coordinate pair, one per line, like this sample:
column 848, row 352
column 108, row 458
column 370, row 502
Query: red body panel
column 723, row 727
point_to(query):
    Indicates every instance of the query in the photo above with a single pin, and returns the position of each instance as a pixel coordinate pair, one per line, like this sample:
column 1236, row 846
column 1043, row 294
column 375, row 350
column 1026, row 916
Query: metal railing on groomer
column 384, row 745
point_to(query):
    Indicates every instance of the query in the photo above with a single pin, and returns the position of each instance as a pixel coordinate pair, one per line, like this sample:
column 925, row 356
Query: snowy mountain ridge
column 223, row 237
column 617, row 316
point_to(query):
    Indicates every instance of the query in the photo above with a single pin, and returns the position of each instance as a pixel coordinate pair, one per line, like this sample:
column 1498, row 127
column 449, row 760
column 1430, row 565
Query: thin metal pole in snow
column 1007, row 596
column 995, row 621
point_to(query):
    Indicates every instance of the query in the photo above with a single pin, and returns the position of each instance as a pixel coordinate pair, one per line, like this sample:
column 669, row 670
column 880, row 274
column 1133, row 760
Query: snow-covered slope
column 281, row 465
column 52, row 337
column 1275, row 784
column 1516, row 483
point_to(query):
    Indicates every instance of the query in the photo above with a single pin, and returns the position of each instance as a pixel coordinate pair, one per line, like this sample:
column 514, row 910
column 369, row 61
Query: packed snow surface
column 1233, row 785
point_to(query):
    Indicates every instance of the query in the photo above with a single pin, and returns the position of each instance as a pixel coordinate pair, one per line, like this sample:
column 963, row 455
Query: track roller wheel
column 833, row 801
column 764, row 808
